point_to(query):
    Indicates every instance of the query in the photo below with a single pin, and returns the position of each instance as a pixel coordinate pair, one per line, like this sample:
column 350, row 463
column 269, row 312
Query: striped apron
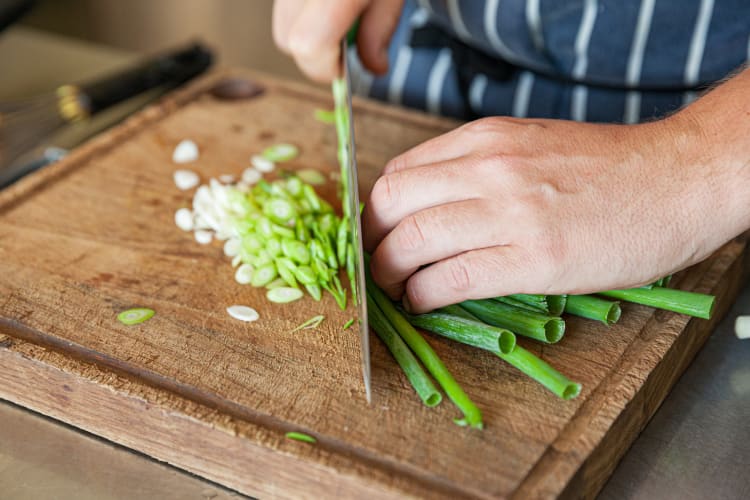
column 616, row 61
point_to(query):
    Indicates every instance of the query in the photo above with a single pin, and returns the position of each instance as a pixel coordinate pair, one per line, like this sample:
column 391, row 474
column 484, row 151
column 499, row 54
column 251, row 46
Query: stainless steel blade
column 355, row 226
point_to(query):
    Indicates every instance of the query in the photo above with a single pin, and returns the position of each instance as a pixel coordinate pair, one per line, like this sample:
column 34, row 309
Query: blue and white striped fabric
column 586, row 60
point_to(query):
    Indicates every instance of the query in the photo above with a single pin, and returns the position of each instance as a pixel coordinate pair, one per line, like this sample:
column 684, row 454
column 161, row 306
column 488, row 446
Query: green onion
column 135, row 316
column 280, row 152
column 295, row 250
column 285, row 268
column 554, row 305
column 466, row 331
column 690, row 303
column 284, row 294
column 543, row 373
column 521, row 305
column 314, row 291
column 419, row 380
column 456, row 310
column 425, row 353
column 348, row 324
column 276, row 284
column 279, row 210
column 587, row 306
column 538, row 326
column 342, row 238
column 312, row 177
column 305, row 275
column 263, row 275
column 326, row 116
column 310, row 323
column 299, row 436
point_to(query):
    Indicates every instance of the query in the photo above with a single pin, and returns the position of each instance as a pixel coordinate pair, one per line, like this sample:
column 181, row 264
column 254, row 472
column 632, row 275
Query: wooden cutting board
column 94, row 235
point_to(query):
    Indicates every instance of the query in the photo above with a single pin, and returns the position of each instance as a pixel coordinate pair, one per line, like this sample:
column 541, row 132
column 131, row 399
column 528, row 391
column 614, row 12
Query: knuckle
column 487, row 125
column 411, row 235
column 459, row 276
column 396, row 164
column 382, row 194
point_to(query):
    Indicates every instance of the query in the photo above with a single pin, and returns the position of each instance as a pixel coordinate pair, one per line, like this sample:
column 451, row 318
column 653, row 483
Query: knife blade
column 355, row 222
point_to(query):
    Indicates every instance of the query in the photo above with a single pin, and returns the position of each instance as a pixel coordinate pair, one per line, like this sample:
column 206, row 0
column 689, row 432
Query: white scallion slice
column 278, row 282
column 742, row 327
column 184, row 219
column 312, row 176
column 281, row 152
column 226, row 178
column 244, row 274
column 232, row 247
column 135, row 316
column 185, row 179
column 237, row 260
column 243, row 313
column 185, row 152
column 262, row 164
column 284, row 294
column 204, row 237
column 310, row 323
column 251, row 176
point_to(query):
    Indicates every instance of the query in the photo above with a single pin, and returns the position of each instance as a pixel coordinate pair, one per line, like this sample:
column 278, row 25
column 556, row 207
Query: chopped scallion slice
column 244, row 274
column 299, row 436
column 311, row 176
column 262, row 164
column 281, row 152
column 326, row 116
column 135, row 316
column 284, row 294
column 243, row 313
column 310, row 323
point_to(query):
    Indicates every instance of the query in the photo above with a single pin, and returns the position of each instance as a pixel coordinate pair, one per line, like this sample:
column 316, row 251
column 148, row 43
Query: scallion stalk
column 419, row 380
column 693, row 304
column 466, row 331
column 538, row 326
column 542, row 372
column 425, row 353
column 588, row 306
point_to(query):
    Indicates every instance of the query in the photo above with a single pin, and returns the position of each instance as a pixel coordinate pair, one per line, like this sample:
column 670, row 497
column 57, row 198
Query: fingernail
column 406, row 303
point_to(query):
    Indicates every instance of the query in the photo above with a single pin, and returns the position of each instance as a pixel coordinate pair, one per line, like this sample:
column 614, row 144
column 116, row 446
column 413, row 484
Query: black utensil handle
column 170, row 70
column 13, row 10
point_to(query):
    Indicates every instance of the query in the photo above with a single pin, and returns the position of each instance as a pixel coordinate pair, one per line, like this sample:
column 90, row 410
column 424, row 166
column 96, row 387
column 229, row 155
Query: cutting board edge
column 253, row 469
column 587, row 480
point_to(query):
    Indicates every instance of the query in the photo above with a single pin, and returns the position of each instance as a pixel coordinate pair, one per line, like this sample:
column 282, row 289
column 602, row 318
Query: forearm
column 714, row 139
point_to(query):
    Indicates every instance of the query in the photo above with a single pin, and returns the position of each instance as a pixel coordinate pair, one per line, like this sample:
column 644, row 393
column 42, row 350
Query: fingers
column 314, row 39
column 396, row 196
column 433, row 235
column 488, row 272
column 457, row 143
column 285, row 13
column 376, row 28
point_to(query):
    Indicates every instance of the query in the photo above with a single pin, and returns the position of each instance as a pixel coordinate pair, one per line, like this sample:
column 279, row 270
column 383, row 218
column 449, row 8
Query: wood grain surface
column 94, row 235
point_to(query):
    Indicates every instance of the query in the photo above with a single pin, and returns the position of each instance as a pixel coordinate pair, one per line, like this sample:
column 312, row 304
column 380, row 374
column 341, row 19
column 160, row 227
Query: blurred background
column 238, row 30
column 58, row 42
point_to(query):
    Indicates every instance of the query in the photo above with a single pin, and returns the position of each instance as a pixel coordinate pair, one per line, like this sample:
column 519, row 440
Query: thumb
column 377, row 25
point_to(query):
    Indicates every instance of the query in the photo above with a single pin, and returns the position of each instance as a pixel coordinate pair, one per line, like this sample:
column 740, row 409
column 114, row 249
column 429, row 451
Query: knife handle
column 171, row 69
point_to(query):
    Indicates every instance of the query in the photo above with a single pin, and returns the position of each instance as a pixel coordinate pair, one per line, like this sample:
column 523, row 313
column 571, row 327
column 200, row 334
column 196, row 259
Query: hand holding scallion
column 502, row 206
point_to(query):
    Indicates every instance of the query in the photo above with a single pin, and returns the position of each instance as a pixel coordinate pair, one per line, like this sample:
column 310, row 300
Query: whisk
column 25, row 124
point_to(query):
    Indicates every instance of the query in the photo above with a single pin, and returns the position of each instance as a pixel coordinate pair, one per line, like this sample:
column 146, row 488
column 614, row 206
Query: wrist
column 711, row 140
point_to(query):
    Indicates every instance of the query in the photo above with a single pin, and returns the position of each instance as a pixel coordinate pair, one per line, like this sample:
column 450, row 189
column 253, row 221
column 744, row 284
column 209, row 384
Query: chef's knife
column 343, row 97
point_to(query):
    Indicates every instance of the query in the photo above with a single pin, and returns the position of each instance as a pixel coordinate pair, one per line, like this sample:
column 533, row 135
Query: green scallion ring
column 135, row 316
